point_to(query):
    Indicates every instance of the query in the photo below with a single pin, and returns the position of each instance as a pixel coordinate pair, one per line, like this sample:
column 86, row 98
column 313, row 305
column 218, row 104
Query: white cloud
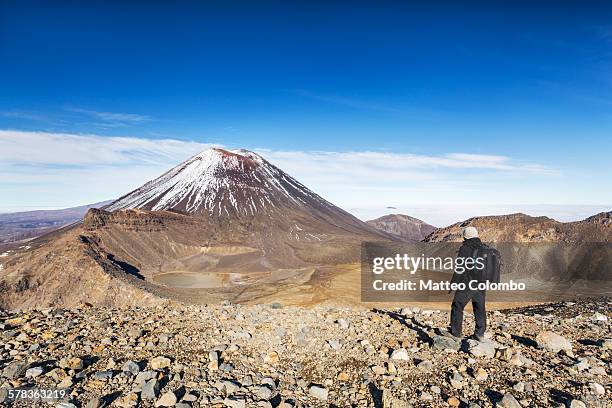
column 54, row 170
column 112, row 118
column 62, row 149
column 17, row 114
column 71, row 149
column 375, row 162
column 79, row 116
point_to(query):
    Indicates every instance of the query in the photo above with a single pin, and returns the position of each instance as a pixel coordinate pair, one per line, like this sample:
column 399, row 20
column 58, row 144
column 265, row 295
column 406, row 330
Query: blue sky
column 530, row 84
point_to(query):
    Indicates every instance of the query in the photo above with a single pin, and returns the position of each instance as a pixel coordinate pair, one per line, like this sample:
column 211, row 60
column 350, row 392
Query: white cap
column 470, row 232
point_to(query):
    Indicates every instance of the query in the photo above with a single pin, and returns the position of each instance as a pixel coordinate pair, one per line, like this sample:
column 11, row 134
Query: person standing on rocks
column 471, row 243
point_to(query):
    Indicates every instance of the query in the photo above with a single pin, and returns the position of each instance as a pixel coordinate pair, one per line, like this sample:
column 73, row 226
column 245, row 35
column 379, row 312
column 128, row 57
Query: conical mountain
column 221, row 224
column 241, row 186
column 222, row 183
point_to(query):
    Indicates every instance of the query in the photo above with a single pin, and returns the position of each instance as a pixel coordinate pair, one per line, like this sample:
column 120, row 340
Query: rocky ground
column 270, row 355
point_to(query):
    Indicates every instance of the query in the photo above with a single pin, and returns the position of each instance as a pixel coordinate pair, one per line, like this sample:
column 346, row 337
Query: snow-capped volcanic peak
column 220, row 182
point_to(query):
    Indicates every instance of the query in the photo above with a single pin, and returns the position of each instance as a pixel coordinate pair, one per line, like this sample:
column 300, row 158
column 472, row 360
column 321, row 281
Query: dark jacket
column 466, row 251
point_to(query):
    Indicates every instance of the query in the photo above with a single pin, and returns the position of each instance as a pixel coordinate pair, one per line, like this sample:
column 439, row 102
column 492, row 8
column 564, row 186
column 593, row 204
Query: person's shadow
column 413, row 324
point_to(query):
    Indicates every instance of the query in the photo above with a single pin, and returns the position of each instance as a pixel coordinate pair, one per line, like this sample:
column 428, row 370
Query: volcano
column 221, row 183
column 218, row 224
column 240, row 190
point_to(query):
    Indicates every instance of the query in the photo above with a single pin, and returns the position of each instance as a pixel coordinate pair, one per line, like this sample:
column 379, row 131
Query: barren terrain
column 271, row 355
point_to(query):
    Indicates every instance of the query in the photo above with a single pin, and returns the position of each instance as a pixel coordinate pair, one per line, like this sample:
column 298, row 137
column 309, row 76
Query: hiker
column 471, row 243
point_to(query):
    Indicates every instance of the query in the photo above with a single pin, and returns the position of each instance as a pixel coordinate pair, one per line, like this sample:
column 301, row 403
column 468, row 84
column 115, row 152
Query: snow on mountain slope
column 221, row 183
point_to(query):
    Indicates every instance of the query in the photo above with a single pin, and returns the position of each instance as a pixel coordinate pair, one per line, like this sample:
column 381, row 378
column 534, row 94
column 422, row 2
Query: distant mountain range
column 407, row 228
column 30, row 224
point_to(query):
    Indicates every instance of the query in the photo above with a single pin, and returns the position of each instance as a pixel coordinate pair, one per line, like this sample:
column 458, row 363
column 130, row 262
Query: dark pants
column 462, row 297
